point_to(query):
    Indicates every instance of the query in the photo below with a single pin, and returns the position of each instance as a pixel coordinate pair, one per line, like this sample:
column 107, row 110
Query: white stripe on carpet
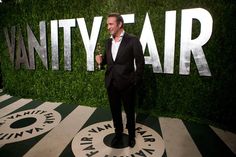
column 229, row 138
column 49, row 105
column 4, row 97
column 13, row 106
column 178, row 141
column 56, row 140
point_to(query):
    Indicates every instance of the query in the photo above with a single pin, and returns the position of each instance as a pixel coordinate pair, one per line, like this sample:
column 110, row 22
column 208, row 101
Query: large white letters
column 41, row 48
column 188, row 45
column 147, row 38
column 67, row 24
column 90, row 43
column 54, row 45
column 169, row 52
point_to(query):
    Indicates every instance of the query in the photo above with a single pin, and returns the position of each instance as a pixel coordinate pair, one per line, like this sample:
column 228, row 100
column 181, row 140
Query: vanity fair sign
column 19, row 55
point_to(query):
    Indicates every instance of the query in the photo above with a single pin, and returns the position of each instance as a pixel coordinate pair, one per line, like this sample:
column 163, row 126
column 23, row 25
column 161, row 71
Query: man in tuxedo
column 125, row 64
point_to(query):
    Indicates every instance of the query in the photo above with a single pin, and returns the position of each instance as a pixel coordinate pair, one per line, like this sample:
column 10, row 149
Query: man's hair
column 119, row 18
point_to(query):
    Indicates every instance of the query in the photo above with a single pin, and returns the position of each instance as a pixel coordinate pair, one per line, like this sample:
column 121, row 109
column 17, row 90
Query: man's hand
column 99, row 59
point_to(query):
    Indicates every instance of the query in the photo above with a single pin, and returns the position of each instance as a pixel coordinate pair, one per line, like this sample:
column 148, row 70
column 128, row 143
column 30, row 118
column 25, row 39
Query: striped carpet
column 33, row 128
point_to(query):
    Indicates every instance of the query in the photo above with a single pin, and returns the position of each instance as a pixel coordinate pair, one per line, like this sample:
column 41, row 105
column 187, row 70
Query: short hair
column 119, row 18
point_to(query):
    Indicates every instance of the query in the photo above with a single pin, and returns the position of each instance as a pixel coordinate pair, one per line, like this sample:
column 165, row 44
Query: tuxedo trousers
column 117, row 99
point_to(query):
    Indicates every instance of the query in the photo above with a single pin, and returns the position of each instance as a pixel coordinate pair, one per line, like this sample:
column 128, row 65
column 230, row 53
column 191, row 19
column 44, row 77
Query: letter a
column 147, row 38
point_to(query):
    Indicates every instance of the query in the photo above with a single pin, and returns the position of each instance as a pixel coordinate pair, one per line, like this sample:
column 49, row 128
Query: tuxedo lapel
column 122, row 46
column 109, row 54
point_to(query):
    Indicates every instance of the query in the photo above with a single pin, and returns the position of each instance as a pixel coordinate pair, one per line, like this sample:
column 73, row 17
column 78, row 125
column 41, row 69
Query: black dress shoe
column 132, row 142
column 116, row 140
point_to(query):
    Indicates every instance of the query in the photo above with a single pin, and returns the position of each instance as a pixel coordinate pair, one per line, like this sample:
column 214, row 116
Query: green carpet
column 36, row 128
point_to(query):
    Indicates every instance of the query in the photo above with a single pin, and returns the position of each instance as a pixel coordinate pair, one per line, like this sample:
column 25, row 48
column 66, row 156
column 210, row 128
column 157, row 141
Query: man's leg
column 115, row 107
column 128, row 98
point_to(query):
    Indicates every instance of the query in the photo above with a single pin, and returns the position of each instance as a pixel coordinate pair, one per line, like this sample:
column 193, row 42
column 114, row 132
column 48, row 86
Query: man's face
column 112, row 25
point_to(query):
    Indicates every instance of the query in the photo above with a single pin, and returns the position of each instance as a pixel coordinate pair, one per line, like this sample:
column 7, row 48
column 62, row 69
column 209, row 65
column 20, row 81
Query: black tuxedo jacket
column 121, row 72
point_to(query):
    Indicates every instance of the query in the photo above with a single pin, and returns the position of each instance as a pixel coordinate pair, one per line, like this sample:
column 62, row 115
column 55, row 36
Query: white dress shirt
column 115, row 45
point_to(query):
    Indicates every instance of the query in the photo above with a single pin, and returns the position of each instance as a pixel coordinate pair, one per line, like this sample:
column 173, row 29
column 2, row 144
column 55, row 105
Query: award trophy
column 99, row 64
column 99, row 67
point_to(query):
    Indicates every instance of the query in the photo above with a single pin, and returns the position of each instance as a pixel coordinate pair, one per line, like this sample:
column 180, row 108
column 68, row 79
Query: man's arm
column 139, row 60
